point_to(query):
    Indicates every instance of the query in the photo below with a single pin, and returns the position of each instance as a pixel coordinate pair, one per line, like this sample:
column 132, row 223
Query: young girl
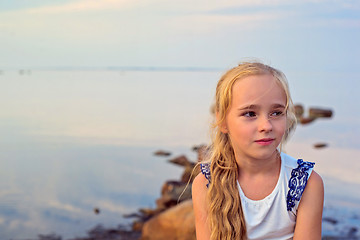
column 248, row 189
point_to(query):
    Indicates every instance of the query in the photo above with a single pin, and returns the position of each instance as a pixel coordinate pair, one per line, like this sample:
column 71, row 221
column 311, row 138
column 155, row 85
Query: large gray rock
column 177, row 223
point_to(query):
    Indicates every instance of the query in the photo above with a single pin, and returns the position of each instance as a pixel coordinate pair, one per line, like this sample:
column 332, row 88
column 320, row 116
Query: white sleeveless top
column 274, row 217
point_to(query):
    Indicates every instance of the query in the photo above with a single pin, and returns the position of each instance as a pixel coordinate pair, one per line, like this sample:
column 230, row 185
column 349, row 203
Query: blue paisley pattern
column 297, row 182
column 205, row 169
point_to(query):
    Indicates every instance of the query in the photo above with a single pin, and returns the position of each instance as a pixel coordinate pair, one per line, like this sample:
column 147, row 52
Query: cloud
column 209, row 22
column 83, row 5
column 157, row 5
column 187, row 5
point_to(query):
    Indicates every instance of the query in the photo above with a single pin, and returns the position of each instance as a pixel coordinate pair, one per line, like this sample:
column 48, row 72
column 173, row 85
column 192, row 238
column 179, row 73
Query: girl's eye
column 249, row 114
column 277, row 114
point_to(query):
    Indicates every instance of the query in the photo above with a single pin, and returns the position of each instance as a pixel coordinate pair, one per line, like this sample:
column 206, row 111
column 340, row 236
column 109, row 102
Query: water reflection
column 49, row 185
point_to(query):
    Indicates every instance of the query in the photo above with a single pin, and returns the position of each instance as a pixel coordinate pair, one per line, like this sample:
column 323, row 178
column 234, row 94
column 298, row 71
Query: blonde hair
column 225, row 214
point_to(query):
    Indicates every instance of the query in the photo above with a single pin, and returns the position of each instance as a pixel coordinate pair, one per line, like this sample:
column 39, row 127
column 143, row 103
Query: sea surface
column 75, row 140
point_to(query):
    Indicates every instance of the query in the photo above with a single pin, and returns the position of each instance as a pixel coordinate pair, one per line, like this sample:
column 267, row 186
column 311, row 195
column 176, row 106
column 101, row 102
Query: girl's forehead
column 258, row 88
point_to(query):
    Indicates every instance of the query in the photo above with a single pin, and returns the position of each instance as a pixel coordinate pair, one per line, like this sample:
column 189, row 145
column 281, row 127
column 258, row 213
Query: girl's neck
column 259, row 178
column 253, row 167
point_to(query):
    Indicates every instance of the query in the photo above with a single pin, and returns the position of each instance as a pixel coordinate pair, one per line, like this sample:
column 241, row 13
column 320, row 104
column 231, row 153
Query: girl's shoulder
column 200, row 180
column 199, row 191
column 291, row 163
column 297, row 172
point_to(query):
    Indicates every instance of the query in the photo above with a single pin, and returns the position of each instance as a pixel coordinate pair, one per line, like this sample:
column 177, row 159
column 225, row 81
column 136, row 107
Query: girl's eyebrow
column 252, row 106
column 255, row 107
column 278, row 105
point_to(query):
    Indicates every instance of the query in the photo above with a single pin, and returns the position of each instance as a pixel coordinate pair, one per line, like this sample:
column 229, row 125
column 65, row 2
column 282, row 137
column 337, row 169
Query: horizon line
column 113, row 68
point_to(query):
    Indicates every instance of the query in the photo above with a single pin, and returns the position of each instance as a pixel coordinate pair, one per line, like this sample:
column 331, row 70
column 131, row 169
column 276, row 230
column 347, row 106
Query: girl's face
column 256, row 120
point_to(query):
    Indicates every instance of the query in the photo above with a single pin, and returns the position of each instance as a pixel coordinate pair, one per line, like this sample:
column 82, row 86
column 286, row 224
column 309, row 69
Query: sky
column 310, row 34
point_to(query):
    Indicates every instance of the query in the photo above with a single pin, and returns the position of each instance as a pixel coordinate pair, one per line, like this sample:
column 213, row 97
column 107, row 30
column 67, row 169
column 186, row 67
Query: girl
column 248, row 189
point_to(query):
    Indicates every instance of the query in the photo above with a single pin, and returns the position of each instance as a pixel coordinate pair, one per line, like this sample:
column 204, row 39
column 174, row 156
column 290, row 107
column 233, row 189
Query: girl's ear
column 223, row 126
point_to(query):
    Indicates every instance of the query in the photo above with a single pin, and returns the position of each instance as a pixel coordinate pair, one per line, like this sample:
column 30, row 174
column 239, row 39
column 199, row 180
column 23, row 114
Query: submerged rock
column 162, row 153
column 120, row 233
column 352, row 232
column 96, row 210
column 320, row 113
column 306, row 120
column 51, row 236
column 313, row 114
column 330, row 220
column 320, row 145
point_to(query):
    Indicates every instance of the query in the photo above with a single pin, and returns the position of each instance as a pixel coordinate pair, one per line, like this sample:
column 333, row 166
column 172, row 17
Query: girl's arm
column 309, row 215
column 199, row 191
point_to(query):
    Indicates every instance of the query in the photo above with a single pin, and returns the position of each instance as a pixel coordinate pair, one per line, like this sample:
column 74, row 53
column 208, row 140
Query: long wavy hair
column 225, row 214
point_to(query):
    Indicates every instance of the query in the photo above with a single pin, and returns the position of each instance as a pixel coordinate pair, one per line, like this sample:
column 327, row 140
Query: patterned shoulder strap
column 205, row 169
column 297, row 182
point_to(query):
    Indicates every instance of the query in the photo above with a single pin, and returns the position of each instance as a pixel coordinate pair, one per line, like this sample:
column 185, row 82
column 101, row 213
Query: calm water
column 75, row 140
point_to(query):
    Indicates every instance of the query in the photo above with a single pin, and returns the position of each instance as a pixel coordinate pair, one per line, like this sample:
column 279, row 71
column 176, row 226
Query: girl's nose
column 265, row 124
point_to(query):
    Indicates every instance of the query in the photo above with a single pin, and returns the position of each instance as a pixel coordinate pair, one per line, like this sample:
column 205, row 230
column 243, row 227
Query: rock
column 330, row 220
column 352, row 232
column 197, row 147
column 51, row 236
column 165, row 202
column 137, row 225
column 320, row 113
column 177, row 223
column 190, row 173
column 299, row 111
column 202, row 151
column 314, row 113
column 120, row 233
column 96, row 210
column 182, row 161
column 148, row 212
column 212, row 109
column 306, row 120
column 162, row 153
column 142, row 216
column 132, row 215
column 172, row 193
column 320, row 145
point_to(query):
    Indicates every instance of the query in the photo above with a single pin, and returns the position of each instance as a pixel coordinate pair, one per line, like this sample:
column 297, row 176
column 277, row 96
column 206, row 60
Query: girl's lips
column 265, row 141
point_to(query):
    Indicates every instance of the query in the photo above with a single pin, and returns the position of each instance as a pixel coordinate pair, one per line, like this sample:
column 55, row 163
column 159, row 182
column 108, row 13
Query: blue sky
column 311, row 35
